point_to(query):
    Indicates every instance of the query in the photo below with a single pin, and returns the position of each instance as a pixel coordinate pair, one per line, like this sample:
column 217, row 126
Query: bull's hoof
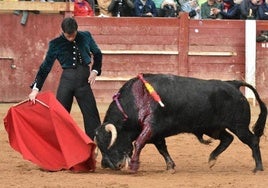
column 129, row 171
column 258, row 169
column 171, row 171
column 211, row 162
column 134, row 166
column 170, row 167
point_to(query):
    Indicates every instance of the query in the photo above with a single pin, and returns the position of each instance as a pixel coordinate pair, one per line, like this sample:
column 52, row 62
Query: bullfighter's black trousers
column 74, row 83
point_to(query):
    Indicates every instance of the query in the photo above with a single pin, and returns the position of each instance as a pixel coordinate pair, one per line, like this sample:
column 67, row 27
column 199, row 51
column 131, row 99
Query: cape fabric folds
column 45, row 134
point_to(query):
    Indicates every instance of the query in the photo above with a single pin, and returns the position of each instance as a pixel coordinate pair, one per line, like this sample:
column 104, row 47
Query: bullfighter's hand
column 92, row 78
column 33, row 95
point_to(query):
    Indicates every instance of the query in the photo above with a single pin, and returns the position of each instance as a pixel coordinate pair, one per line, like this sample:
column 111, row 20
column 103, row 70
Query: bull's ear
column 111, row 128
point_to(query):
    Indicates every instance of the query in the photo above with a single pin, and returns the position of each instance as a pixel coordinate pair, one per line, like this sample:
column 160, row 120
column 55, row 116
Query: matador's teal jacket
column 66, row 53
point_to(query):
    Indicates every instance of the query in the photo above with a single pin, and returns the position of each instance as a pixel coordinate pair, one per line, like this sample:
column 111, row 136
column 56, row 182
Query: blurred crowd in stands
column 197, row 9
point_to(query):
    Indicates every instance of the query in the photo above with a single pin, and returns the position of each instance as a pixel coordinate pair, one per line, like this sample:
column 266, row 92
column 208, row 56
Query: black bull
column 201, row 107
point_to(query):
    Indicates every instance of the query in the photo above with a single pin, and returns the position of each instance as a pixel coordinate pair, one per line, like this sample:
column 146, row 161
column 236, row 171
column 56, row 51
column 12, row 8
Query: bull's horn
column 111, row 128
column 96, row 152
column 95, row 140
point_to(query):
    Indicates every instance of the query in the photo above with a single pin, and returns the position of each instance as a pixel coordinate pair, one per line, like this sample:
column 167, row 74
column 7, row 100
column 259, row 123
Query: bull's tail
column 259, row 126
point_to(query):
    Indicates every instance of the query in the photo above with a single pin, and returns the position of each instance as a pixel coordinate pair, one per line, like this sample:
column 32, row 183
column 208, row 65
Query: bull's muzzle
column 124, row 163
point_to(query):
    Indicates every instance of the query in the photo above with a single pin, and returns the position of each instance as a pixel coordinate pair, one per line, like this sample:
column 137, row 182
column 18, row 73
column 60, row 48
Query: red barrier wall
column 199, row 48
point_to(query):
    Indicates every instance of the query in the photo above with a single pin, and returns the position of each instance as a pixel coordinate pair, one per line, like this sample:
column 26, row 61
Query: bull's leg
column 162, row 148
column 225, row 140
column 253, row 142
column 138, row 145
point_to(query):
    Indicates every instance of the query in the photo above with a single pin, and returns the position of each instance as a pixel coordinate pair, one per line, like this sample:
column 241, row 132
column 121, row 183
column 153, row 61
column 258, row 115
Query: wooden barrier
column 192, row 53
column 112, row 79
column 139, row 52
column 209, row 49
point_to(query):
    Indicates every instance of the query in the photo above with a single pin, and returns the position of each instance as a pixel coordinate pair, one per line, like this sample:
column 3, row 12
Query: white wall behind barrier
column 250, row 56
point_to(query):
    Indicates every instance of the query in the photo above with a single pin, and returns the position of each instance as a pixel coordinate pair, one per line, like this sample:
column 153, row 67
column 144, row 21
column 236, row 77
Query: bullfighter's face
column 70, row 37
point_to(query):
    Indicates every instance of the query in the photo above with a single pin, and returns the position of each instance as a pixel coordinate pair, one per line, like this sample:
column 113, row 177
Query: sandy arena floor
column 233, row 168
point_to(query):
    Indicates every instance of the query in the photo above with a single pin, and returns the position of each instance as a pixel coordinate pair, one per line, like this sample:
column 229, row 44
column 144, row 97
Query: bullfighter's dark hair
column 69, row 25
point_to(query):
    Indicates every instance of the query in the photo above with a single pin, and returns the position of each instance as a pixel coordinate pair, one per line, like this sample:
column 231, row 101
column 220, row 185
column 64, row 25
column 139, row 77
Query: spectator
column 120, row 8
column 263, row 11
column 193, row 8
column 206, row 10
column 25, row 13
column 263, row 15
column 103, row 8
column 248, row 9
column 91, row 3
column 158, row 4
column 200, row 2
column 24, row 17
column 82, row 8
column 228, row 9
column 238, row 1
column 170, row 8
column 145, row 8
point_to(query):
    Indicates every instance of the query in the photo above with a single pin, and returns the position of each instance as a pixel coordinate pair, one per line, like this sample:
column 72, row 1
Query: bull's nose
column 120, row 165
column 106, row 163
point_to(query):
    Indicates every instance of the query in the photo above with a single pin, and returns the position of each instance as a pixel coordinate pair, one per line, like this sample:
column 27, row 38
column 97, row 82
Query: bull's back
column 176, row 90
column 192, row 104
